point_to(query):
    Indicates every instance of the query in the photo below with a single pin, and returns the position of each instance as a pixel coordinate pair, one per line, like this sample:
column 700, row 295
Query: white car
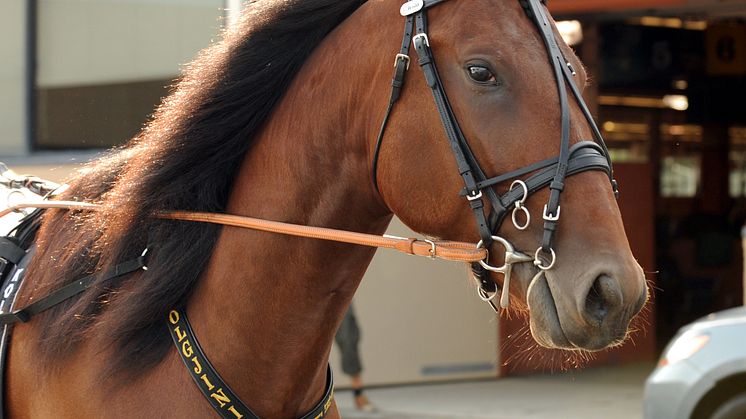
column 702, row 373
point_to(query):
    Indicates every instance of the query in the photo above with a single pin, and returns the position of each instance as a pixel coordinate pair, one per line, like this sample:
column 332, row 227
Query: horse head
column 511, row 116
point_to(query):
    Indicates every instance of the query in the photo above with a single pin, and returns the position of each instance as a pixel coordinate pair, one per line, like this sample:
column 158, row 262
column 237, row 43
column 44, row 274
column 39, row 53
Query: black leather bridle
column 583, row 156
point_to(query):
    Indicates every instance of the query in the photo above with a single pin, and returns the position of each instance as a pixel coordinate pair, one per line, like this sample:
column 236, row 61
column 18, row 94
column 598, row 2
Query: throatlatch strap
column 401, row 65
column 68, row 291
column 216, row 391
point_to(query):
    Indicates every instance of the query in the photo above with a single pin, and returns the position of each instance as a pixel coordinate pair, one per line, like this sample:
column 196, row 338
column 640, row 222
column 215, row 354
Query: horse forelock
column 184, row 159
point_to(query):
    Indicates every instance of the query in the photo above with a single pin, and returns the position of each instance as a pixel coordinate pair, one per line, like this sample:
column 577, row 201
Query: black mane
column 185, row 158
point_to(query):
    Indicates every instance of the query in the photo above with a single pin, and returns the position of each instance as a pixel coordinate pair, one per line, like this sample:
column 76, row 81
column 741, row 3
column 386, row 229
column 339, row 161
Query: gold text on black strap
column 187, row 352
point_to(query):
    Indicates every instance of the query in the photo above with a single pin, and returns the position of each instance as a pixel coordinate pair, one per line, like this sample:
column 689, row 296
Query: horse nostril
column 604, row 296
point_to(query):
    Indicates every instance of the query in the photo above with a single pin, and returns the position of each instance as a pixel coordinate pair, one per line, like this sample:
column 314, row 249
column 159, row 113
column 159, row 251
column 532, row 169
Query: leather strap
column 10, row 251
column 447, row 250
column 222, row 399
column 401, row 65
column 25, row 314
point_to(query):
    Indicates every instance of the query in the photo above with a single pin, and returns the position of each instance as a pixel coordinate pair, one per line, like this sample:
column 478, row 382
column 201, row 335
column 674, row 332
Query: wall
column 421, row 321
column 89, row 42
column 13, row 77
column 105, row 64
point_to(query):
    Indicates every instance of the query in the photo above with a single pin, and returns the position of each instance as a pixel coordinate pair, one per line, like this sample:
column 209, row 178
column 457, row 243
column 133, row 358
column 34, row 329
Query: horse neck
column 268, row 305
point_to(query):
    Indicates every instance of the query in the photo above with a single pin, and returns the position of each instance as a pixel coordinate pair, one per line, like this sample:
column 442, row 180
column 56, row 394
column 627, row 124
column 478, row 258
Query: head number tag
column 412, row 6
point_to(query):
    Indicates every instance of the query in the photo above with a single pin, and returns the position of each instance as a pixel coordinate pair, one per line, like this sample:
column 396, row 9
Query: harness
column 581, row 157
column 16, row 251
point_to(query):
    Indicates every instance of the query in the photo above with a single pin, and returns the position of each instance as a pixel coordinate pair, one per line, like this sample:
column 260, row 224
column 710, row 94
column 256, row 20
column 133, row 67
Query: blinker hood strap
column 216, row 391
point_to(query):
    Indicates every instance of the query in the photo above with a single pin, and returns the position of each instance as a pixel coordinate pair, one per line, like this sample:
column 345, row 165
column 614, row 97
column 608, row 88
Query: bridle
column 551, row 173
column 581, row 157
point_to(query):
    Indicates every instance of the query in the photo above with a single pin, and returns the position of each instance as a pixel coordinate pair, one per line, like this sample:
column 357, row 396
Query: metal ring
column 515, row 218
column 10, row 204
column 485, row 263
column 538, row 262
column 525, row 189
column 485, row 296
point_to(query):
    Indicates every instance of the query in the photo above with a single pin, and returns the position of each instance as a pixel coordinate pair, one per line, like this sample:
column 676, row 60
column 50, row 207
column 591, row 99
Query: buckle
column 432, row 249
column 402, row 57
column 426, row 40
column 549, row 217
column 474, row 197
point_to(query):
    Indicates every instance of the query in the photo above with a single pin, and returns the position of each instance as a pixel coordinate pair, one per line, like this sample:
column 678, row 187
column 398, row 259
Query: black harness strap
column 213, row 387
column 10, row 251
column 427, row 63
column 68, row 291
column 401, row 65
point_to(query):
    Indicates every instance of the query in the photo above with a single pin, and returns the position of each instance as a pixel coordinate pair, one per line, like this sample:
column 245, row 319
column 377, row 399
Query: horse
column 282, row 120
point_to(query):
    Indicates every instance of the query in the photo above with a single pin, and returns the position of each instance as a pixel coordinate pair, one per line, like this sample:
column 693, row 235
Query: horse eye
column 481, row 74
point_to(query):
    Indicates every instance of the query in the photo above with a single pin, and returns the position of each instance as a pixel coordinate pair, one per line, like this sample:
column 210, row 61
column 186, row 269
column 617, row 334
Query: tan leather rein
column 446, row 250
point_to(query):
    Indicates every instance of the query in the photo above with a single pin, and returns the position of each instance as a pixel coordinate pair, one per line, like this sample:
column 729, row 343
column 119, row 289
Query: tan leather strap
column 447, row 250
column 68, row 205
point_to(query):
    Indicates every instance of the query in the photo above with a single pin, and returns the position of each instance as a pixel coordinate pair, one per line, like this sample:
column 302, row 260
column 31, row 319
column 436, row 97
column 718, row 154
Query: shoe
column 363, row 404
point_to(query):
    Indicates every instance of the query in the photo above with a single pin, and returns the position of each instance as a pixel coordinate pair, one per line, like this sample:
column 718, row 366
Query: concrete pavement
column 607, row 393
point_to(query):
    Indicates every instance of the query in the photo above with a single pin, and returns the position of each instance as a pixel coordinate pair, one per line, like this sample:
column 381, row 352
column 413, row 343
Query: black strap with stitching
column 68, row 291
column 222, row 399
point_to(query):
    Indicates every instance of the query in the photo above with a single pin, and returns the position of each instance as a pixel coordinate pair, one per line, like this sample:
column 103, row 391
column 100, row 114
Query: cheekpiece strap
column 217, row 392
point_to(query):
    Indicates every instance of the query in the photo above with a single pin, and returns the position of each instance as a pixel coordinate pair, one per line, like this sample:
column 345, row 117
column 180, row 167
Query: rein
column 434, row 249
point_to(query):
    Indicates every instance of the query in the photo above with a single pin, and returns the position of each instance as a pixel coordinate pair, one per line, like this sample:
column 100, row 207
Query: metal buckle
column 421, row 35
column 572, row 69
column 144, row 252
column 548, row 217
column 402, row 57
column 432, row 250
column 474, row 197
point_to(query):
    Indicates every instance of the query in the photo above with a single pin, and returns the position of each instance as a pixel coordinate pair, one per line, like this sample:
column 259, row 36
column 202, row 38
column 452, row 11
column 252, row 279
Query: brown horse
column 278, row 121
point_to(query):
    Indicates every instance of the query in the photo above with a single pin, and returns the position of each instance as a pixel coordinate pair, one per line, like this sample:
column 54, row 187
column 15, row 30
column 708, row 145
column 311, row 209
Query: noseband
column 581, row 157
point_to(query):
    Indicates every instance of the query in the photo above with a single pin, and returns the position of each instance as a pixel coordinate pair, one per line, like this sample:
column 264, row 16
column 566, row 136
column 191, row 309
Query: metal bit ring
column 520, row 206
column 539, row 263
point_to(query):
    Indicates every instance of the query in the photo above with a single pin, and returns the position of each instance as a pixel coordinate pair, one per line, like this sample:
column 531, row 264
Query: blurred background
column 668, row 82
